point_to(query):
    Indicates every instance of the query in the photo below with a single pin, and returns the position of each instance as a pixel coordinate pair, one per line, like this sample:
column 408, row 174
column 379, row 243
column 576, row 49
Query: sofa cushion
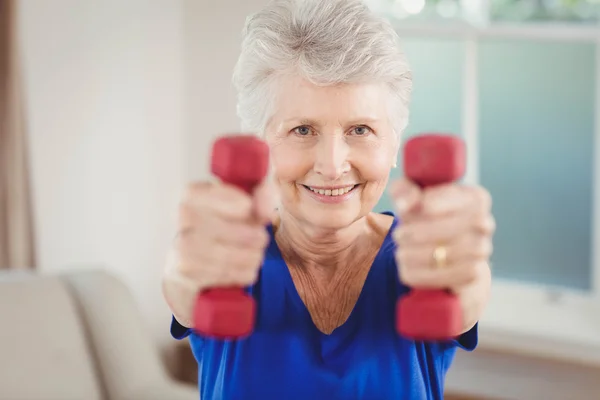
column 42, row 342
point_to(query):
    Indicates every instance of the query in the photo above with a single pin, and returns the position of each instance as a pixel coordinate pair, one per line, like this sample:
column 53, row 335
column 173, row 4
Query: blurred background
column 108, row 108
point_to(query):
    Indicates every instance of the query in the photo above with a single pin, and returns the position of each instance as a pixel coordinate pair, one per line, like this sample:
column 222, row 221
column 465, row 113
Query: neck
column 309, row 247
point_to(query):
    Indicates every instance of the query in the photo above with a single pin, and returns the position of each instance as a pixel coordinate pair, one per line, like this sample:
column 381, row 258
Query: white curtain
column 16, row 221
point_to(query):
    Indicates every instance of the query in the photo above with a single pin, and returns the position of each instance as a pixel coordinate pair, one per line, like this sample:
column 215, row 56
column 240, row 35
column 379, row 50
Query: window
column 572, row 11
column 536, row 144
column 521, row 85
column 436, row 99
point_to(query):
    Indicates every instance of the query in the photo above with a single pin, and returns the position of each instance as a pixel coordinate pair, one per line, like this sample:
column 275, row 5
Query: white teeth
column 334, row 192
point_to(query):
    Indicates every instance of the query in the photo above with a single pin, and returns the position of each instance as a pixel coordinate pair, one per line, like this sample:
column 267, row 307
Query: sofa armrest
column 167, row 391
column 126, row 354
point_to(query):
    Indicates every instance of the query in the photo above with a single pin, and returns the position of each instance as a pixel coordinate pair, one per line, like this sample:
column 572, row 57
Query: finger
column 465, row 249
column 215, row 276
column 242, row 276
column 251, row 235
column 452, row 275
column 217, row 264
column 406, row 195
column 191, row 256
column 227, row 201
column 446, row 199
column 424, row 231
column 194, row 228
column 485, row 224
column 210, row 227
column 485, row 275
column 232, row 257
column 265, row 200
column 442, row 229
column 186, row 218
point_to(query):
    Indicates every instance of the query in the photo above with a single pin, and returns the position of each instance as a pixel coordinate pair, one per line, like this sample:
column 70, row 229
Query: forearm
column 180, row 301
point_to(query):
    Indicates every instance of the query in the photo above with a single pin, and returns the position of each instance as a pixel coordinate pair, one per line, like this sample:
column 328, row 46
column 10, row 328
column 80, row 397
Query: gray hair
column 327, row 42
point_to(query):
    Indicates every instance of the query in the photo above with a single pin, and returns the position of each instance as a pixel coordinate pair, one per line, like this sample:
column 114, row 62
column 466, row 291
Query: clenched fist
column 220, row 242
column 457, row 219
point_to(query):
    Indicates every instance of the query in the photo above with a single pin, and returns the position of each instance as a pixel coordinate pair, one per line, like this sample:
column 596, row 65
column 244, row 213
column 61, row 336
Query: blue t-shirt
column 288, row 358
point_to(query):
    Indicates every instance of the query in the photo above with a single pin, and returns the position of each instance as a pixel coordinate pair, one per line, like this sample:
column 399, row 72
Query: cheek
column 374, row 168
column 374, row 164
column 288, row 165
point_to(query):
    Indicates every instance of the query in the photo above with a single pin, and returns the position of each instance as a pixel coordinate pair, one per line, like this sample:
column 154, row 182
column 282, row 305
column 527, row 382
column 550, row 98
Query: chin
column 331, row 218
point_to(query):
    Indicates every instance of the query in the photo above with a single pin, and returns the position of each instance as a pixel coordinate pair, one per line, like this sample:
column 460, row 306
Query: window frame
column 524, row 317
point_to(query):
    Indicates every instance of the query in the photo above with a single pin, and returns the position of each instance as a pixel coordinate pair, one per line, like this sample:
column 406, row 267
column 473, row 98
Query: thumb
column 406, row 195
column 265, row 199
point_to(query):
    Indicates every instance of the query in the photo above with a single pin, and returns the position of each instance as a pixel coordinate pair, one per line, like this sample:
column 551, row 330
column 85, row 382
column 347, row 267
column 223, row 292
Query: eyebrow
column 364, row 120
column 300, row 121
column 313, row 122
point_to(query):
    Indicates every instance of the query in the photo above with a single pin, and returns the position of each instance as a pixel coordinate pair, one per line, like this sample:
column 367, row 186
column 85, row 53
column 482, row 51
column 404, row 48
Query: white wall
column 213, row 37
column 104, row 84
column 123, row 99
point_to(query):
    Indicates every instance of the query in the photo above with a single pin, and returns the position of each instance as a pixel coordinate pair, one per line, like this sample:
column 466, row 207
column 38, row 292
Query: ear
column 396, row 152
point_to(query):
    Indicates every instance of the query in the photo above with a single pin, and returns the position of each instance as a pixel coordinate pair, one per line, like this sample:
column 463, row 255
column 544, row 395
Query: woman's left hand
column 444, row 241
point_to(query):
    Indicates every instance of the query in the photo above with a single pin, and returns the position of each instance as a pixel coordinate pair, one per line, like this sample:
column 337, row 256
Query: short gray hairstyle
column 327, row 42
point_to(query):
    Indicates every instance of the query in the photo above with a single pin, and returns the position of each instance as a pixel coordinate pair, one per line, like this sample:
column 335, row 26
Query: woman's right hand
column 220, row 242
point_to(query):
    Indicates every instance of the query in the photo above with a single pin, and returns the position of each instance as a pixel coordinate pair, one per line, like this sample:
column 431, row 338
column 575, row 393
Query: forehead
column 299, row 98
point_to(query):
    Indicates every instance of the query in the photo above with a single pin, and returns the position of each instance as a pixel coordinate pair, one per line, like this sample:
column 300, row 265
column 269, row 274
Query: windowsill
column 535, row 321
column 553, row 31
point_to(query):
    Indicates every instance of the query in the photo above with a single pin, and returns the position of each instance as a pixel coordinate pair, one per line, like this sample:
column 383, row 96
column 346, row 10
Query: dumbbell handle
column 424, row 314
column 229, row 313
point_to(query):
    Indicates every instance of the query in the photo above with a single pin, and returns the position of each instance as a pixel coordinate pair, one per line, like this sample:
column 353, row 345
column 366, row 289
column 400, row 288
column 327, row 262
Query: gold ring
column 440, row 256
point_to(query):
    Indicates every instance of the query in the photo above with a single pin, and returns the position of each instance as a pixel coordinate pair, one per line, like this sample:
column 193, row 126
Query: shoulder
column 383, row 224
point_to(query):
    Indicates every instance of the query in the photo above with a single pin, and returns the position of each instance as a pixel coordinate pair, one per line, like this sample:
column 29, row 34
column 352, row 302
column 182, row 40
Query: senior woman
column 327, row 86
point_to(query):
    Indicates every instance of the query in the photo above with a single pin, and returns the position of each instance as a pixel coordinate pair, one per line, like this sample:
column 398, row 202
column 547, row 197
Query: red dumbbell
column 229, row 313
column 431, row 159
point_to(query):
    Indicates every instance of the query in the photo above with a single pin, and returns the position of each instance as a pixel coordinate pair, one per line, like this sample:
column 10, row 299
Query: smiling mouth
column 332, row 192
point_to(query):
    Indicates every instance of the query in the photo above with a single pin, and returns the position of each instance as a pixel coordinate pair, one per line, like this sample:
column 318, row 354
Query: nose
column 331, row 160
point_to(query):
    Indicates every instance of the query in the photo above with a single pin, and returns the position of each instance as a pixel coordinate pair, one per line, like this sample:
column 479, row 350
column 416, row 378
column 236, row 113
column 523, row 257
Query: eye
column 361, row 130
column 302, row 130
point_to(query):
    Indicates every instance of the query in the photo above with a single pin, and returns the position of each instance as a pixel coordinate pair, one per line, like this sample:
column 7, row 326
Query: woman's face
column 332, row 149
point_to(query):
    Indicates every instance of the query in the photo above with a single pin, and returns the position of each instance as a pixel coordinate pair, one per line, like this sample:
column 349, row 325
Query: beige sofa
column 77, row 336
